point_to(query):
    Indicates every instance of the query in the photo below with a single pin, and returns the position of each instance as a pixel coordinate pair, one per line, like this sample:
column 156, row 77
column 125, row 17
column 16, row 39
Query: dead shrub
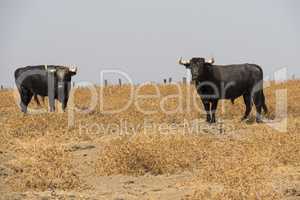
column 155, row 154
column 43, row 166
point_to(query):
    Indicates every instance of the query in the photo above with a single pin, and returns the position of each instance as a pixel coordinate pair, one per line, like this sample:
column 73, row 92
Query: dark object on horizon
column 44, row 80
column 215, row 82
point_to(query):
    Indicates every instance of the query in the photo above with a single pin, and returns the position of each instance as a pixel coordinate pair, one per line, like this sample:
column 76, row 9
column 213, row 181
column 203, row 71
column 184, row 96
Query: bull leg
column 258, row 114
column 213, row 110
column 258, row 101
column 52, row 104
column 26, row 96
column 64, row 106
column 248, row 104
column 61, row 105
column 63, row 102
column 36, row 99
column 264, row 106
column 206, row 105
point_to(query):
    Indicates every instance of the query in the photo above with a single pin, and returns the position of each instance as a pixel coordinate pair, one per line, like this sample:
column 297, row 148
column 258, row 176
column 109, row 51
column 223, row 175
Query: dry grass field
column 133, row 155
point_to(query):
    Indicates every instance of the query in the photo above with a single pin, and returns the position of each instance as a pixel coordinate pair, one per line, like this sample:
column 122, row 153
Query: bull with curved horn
column 53, row 81
column 215, row 82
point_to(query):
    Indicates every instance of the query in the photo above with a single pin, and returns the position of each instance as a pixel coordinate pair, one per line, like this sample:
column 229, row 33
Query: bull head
column 64, row 74
column 196, row 65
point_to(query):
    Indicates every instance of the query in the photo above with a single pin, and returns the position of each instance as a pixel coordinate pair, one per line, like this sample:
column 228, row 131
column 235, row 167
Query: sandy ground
column 121, row 187
column 107, row 187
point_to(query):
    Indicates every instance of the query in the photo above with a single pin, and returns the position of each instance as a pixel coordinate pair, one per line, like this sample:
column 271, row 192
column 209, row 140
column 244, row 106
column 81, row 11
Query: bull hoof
column 259, row 121
column 212, row 121
column 245, row 119
column 208, row 120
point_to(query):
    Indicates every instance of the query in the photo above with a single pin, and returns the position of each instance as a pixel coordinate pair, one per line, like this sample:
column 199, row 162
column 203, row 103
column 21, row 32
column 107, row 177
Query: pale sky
column 145, row 38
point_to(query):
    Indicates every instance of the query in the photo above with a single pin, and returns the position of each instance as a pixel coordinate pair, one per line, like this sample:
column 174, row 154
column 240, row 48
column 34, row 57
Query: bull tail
column 264, row 106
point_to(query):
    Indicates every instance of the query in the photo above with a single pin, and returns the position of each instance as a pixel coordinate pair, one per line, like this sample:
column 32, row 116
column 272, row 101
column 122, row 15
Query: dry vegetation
column 42, row 165
column 242, row 161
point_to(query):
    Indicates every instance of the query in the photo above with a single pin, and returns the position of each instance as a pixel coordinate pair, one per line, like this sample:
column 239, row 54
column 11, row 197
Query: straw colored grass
column 154, row 154
column 42, row 166
column 242, row 162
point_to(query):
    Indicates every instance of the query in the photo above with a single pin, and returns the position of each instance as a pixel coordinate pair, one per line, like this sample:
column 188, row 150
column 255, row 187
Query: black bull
column 52, row 81
column 215, row 82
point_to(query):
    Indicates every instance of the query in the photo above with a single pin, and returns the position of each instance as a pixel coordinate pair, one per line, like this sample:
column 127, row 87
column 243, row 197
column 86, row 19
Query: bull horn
column 49, row 69
column 183, row 62
column 211, row 60
column 73, row 69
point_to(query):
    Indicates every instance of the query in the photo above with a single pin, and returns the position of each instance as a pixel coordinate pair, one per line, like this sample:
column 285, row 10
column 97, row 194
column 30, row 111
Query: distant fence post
column 2, row 87
column 184, row 80
column 293, row 77
column 170, row 80
column 105, row 83
column 120, row 82
column 73, row 84
column 165, row 81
